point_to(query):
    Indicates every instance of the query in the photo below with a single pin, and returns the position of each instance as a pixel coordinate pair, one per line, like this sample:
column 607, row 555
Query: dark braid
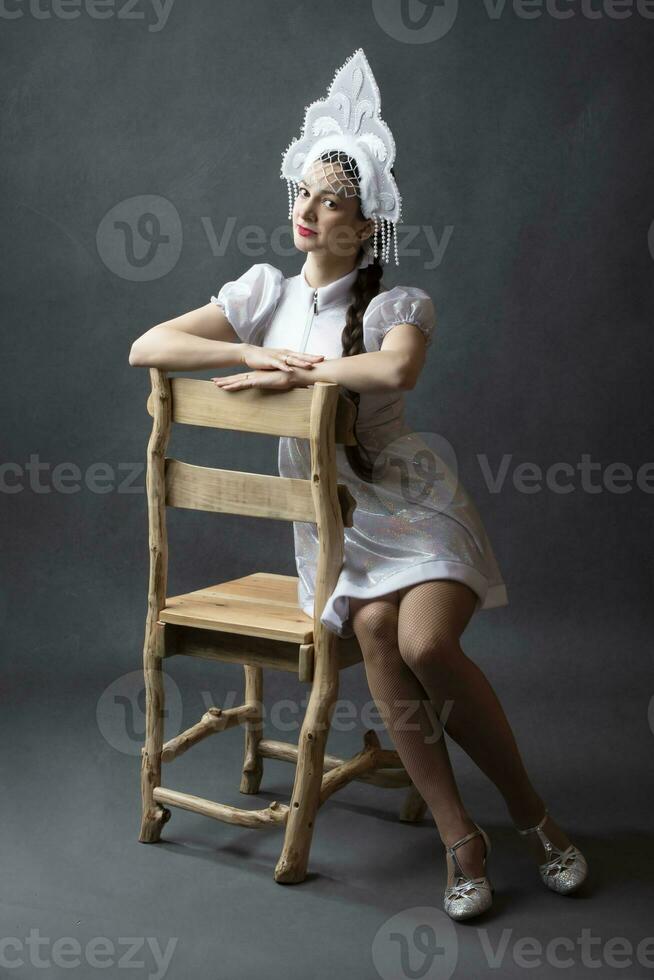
column 365, row 286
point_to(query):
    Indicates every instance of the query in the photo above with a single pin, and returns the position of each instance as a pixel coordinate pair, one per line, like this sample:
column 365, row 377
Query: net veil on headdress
column 346, row 134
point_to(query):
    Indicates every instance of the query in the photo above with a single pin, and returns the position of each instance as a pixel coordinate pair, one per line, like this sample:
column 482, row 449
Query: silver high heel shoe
column 563, row 871
column 465, row 896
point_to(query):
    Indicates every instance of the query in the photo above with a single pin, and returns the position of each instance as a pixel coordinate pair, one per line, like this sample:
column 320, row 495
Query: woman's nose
column 305, row 206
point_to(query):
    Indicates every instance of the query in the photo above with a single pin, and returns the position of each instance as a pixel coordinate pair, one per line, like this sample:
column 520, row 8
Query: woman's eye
column 328, row 200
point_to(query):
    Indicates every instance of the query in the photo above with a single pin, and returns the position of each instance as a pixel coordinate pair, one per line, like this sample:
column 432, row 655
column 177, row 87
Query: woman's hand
column 274, row 380
column 277, row 358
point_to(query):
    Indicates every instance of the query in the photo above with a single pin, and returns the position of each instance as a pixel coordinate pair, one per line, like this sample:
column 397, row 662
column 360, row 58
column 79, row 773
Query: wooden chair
column 255, row 620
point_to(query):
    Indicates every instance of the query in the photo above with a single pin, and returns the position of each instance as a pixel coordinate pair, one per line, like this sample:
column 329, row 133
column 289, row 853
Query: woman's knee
column 374, row 622
column 424, row 649
column 432, row 616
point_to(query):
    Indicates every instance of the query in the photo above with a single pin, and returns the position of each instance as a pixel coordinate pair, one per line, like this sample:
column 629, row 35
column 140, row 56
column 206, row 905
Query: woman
column 413, row 573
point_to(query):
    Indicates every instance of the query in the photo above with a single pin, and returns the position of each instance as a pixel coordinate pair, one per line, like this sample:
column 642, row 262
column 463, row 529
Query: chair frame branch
column 192, row 626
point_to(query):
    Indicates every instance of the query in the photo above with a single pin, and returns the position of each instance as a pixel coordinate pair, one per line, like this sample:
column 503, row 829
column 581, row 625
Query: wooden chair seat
column 262, row 604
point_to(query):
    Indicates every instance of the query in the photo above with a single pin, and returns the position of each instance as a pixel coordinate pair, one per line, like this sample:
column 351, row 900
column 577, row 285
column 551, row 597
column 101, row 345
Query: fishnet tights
column 421, row 680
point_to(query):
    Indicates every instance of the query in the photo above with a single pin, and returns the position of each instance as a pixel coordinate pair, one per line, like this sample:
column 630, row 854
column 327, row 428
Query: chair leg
column 413, row 807
column 291, row 867
column 253, row 761
column 154, row 816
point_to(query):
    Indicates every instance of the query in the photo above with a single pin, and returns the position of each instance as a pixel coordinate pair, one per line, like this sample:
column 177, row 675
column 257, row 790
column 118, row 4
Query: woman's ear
column 366, row 230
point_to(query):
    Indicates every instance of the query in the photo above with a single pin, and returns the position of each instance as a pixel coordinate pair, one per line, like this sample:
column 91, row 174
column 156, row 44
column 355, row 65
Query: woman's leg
column 412, row 724
column 432, row 616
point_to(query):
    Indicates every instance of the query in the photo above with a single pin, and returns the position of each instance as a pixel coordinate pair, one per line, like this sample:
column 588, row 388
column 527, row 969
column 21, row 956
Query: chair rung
column 213, row 720
column 390, row 774
column 273, row 815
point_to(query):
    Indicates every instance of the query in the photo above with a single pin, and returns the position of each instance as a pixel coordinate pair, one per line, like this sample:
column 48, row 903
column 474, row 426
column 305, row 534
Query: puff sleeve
column 401, row 304
column 249, row 301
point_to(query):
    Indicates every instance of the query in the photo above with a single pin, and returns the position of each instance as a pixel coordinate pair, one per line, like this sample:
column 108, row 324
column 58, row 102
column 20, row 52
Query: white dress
column 397, row 538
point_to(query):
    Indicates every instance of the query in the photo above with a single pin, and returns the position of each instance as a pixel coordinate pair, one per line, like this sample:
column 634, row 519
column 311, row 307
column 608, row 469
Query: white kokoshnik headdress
column 349, row 120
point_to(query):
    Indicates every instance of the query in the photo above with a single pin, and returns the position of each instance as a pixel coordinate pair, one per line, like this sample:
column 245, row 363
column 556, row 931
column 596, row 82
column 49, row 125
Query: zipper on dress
column 313, row 310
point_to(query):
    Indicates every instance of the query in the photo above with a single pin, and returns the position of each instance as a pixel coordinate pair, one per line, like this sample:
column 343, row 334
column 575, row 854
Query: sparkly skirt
column 415, row 522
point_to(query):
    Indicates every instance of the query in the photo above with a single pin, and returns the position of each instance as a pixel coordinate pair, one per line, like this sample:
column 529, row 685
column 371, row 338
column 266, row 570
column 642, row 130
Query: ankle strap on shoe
column 452, row 847
column 538, row 826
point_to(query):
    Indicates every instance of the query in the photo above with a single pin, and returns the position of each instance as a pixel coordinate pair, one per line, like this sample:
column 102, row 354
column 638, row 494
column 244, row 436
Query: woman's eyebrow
column 325, row 190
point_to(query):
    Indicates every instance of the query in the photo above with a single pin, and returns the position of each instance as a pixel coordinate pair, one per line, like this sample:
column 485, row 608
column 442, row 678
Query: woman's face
column 323, row 207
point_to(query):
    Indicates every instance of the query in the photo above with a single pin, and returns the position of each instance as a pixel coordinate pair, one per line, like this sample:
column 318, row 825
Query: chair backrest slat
column 236, row 492
column 277, row 413
column 319, row 414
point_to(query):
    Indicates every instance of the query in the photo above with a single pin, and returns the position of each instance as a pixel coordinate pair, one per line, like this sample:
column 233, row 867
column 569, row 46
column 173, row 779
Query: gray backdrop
column 140, row 145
